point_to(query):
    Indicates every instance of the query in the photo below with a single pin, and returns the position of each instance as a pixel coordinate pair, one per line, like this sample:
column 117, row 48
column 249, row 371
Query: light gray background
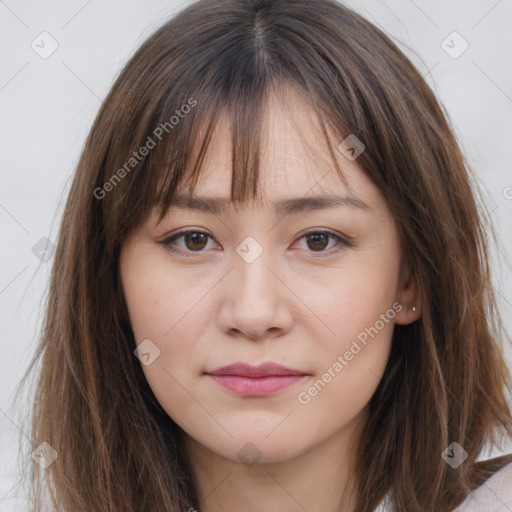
column 48, row 105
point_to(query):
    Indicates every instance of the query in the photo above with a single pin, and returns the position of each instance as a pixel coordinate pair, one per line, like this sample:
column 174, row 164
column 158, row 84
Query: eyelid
column 342, row 241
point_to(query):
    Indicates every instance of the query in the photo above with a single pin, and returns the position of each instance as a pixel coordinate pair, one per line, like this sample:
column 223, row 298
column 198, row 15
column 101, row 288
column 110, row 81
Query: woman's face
column 259, row 286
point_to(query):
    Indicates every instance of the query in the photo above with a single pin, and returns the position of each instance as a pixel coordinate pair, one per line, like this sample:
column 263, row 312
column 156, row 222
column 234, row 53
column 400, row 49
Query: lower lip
column 256, row 386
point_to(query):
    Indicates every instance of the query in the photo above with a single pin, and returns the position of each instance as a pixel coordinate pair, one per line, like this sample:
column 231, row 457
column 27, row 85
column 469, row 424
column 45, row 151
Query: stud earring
column 414, row 308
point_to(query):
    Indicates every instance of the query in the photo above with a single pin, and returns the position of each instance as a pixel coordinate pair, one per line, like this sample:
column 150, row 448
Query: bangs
column 169, row 109
column 245, row 116
column 177, row 161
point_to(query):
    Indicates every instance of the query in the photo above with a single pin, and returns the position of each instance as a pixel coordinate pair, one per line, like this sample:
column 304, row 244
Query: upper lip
column 247, row 370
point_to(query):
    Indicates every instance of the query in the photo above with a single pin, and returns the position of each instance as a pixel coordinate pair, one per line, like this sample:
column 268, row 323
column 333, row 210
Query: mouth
column 263, row 380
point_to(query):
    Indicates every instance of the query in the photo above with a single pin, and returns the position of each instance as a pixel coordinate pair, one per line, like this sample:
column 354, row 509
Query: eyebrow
column 219, row 205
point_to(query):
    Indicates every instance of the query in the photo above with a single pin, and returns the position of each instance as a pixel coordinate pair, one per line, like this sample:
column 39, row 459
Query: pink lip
column 247, row 380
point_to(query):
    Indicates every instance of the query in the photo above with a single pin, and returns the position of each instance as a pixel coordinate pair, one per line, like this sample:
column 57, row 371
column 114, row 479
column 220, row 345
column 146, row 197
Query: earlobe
column 407, row 315
column 407, row 295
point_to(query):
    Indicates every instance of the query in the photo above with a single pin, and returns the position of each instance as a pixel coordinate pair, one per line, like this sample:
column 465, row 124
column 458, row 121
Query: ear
column 407, row 295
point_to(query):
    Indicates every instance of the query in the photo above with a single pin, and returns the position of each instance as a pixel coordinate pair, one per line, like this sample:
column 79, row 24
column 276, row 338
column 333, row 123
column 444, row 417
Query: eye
column 318, row 240
column 196, row 241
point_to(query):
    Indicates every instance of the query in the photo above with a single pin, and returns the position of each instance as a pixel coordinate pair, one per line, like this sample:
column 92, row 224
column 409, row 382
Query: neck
column 318, row 479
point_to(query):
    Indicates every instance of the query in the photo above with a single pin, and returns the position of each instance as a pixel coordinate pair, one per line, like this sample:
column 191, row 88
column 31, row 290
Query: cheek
column 357, row 327
column 163, row 305
column 356, row 303
column 350, row 359
column 172, row 311
column 352, row 342
column 167, row 312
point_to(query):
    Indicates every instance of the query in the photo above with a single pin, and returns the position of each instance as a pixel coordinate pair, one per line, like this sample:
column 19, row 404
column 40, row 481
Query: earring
column 414, row 308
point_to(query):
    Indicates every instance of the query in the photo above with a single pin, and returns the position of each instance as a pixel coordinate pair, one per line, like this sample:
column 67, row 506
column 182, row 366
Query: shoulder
column 494, row 495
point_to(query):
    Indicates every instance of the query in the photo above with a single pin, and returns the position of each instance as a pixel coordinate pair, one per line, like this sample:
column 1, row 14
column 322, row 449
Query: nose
column 255, row 300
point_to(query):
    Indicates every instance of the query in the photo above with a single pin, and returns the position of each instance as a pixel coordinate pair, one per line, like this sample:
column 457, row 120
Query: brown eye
column 195, row 241
column 318, row 241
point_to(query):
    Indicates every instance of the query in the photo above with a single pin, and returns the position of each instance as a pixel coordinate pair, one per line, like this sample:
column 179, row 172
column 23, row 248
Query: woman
column 271, row 288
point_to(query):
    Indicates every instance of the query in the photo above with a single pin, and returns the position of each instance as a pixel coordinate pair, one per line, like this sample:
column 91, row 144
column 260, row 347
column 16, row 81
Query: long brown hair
column 444, row 382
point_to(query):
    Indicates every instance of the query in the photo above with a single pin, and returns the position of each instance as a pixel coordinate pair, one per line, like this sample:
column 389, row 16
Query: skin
column 297, row 304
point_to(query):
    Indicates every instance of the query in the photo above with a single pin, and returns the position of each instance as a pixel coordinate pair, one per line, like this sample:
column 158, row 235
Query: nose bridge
column 253, row 278
column 253, row 306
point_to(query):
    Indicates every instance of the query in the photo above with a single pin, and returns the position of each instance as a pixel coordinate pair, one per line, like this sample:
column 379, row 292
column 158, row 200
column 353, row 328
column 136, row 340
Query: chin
column 261, row 449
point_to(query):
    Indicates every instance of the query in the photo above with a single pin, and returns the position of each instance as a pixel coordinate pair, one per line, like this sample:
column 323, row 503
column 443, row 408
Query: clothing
column 495, row 495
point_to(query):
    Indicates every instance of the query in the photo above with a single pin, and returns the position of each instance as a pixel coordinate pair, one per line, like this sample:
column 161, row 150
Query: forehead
column 294, row 158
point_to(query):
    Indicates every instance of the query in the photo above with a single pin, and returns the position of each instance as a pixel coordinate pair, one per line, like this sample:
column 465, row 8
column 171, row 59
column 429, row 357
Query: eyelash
column 167, row 242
